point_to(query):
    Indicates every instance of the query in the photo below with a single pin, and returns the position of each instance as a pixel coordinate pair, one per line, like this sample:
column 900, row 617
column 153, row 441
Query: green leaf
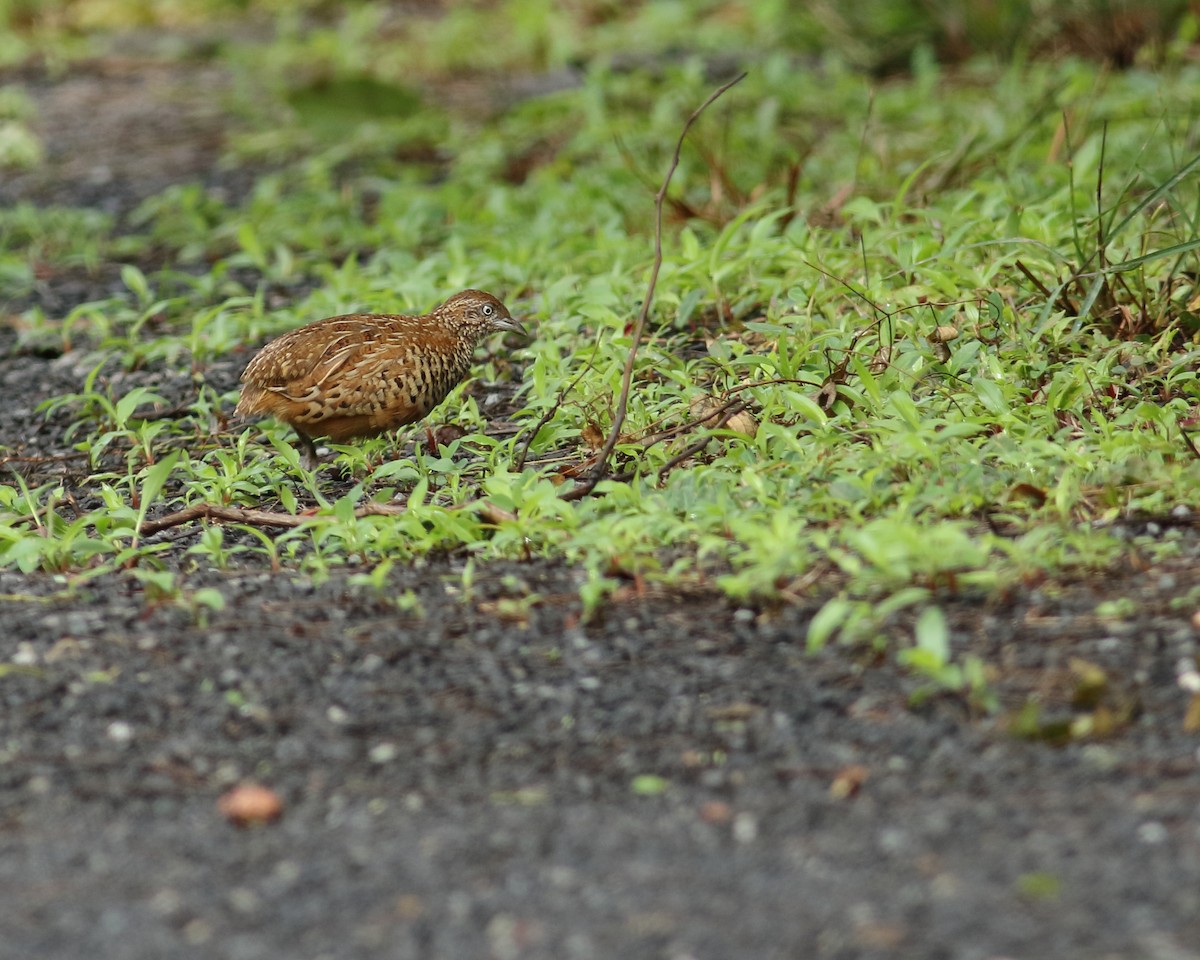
column 1172, row 251
column 932, row 635
column 131, row 401
column 156, row 478
column 649, row 785
column 209, row 597
column 135, row 281
column 827, row 621
column 248, row 240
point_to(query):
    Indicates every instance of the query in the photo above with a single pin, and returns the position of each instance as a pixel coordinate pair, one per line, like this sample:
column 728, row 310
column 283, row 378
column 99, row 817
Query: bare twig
column 254, row 518
column 1187, row 438
column 583, row 488
column 39, row 460
column 730, row 411
column 210, row 511
column 487, row 511
column 1061, row 301
column 1041, row 287
column 713, row 418
column 1101, row 239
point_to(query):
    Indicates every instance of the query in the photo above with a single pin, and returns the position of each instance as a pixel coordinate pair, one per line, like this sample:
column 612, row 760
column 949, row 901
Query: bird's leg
column 308, row 452
column 431, row 441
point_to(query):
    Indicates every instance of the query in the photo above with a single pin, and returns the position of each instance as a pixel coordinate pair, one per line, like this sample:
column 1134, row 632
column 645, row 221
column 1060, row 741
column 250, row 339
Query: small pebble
column 336, row 715
column 166, row 902
column 244, row 900
column 38, row 785
column 197, row 932
column 370, row 663
column 414, row 802
column 745, row 828
column 892, row 840
column 1100, row 758
column 119, row 731
column 25, row 654
column 1152, row 832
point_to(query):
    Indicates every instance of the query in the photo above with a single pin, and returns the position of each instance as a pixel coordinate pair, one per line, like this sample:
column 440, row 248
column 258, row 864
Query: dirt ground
column 458, row 785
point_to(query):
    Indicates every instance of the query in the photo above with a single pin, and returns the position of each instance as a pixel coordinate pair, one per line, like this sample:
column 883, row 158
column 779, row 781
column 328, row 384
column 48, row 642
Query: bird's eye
column 488, row 310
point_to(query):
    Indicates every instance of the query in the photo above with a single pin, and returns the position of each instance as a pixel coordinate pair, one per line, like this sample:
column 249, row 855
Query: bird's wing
column 401, row 352
column 308, row 357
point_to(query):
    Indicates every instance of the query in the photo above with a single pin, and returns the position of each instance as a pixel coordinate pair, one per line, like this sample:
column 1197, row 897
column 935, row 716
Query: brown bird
column 363, row 374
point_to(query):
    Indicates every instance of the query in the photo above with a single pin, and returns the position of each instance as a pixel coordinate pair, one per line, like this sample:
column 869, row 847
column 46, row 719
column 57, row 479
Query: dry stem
column 583, row 488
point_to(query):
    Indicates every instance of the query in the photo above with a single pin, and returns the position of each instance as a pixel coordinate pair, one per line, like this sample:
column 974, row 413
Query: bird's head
column 479, row 313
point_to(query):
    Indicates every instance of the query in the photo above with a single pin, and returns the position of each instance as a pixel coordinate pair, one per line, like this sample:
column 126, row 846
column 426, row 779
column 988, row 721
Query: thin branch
column 1101, row 239
column 731, row 410
column 487, row 511
column 1060, row 301
column 210, row 511
column 722, row 415
column 1041, row 287
column 708, row 418
column 582, row 489
column 1187, row 437
column 39, row 460
column 851, row 287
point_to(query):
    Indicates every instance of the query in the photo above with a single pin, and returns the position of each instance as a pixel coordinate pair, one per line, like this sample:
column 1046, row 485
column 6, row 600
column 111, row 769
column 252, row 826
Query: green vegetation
column 956, row 308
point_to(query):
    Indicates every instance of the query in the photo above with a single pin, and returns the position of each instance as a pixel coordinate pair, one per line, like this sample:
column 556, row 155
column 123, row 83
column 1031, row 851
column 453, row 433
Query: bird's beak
column 508, row 323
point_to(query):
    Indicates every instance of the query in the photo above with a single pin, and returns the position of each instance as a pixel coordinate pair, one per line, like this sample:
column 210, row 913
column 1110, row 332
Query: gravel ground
column 676, row 779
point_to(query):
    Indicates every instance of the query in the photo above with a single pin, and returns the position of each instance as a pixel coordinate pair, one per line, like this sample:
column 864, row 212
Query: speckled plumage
column 363, row 374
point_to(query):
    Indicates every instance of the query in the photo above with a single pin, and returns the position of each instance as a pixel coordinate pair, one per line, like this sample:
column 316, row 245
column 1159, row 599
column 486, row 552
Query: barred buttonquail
column 364, row 374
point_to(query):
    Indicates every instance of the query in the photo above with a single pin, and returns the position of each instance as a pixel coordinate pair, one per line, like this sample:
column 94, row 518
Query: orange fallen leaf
column 249, row 804
column 848, row 781
column 592, row 438
column 714, row 811
column 1027, row 491
column 733, row 711
column 1191, row 721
